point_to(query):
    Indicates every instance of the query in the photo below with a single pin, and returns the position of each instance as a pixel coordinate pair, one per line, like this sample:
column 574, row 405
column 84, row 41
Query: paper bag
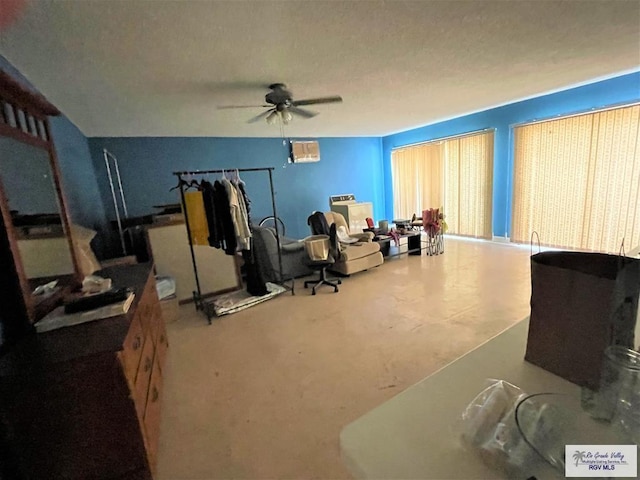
column 580, row 304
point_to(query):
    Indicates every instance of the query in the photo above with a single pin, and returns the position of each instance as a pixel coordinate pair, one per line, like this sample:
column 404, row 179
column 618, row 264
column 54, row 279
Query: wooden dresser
column 83, row 402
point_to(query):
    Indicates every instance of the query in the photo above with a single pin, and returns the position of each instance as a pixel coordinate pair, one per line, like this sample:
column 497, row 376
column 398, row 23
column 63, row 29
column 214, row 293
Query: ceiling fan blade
column 224, row 107
column 259, row 117
column 312, row 101
column 302, row 112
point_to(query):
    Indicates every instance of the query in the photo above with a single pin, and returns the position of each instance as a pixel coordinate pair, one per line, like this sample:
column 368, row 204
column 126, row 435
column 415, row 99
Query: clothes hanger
column 186, row 184
column 181, row 183
column 191, row 182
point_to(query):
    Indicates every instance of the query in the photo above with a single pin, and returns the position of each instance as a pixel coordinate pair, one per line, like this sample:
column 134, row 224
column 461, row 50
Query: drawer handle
column 137, row 342
column 147, row 364
column 155, row 394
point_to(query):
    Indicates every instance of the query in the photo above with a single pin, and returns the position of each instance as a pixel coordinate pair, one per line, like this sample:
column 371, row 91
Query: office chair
column 322, row 252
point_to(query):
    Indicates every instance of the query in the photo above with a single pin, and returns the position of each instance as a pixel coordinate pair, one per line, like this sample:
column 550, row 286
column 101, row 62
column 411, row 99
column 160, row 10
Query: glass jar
column 620, row 390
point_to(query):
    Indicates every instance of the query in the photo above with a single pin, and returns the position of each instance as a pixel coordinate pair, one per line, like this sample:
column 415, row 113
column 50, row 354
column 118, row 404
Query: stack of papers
column 58, row 319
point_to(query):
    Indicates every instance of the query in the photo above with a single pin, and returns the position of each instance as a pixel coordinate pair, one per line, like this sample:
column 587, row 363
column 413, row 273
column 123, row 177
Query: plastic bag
column 489, row 427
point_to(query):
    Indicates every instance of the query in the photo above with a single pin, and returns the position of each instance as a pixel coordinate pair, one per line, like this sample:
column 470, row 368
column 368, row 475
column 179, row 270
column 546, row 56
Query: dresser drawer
column 151, row 310
column 132, row 350
column 144, row 307
column 152, row 416
column 162, row 343
column 141, row 387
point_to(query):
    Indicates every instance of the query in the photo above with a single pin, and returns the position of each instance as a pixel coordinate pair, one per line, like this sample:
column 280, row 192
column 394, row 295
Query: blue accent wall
column 347, row 165
column 79, row 181
column 618, row 90
column 358, row 165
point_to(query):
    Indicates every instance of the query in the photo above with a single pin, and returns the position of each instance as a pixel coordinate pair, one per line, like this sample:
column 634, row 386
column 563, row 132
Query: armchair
column 339, row 220
column 294, row 256
column 353, row 257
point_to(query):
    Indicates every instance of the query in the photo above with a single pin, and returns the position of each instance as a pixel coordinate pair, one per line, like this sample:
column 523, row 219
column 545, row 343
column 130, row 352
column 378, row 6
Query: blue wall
column 619, row 90
column 79, row 181
column 347, row 165
column 360, row 165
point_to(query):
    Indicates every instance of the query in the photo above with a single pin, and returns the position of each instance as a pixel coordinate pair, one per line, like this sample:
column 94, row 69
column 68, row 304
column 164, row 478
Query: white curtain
column 455, row 173
column 577, row 181
column 468, row 185
column 417, row 179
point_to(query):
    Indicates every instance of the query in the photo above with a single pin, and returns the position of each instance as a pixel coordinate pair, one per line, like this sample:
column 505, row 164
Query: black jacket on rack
column 208, row 196
column 223, row 224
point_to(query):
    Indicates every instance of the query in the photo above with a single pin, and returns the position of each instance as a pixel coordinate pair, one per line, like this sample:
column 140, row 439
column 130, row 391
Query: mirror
column 36, row 244
column 28, row 182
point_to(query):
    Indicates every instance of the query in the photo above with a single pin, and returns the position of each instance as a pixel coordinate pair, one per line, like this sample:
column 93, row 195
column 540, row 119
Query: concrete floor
column 264, row 393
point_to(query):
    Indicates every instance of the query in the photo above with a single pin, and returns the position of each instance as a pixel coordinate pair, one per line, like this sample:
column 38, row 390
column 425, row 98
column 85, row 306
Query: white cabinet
column 169, row 246
column 355, row 214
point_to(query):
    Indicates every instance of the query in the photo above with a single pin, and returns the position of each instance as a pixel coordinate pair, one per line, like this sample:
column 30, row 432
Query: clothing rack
column 197, row 295
column 107, row 157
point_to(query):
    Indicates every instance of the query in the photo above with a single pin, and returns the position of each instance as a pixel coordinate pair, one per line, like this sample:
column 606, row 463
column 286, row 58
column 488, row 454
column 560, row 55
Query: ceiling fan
column 281, row 104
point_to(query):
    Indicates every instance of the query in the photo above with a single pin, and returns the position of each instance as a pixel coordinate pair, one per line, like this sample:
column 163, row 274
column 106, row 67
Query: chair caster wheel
column 335, row 290
column 313, row 292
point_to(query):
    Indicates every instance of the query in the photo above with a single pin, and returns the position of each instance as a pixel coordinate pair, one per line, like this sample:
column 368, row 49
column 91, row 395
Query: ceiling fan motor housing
column 278, row 96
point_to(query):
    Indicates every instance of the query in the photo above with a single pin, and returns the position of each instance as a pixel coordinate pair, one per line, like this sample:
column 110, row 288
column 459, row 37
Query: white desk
column 415, row 435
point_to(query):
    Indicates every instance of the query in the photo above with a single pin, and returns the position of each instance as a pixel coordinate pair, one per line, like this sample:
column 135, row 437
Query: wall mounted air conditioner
column 307, row 151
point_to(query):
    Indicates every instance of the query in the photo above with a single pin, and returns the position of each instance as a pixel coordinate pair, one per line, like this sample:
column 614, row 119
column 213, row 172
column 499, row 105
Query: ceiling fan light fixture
column 272, row 117
column 280, row 103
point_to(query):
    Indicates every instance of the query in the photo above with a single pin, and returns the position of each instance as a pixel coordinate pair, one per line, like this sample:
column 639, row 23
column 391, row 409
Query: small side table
column 413, row 243
column 385, row 245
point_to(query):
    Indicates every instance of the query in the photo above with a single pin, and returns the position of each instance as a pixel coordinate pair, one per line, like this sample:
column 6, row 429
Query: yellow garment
column 198, row 225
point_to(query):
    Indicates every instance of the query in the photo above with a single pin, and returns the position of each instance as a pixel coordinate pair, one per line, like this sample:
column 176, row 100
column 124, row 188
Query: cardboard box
column 170, row 309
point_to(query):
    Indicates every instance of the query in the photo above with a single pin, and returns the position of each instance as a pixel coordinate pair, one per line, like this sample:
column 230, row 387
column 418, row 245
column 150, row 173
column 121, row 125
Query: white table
column 415, row 435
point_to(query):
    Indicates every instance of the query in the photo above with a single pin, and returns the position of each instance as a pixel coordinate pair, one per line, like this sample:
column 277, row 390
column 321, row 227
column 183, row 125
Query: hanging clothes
column 198, row 226
column 238, row 215
column 219, row 216
column 223, row 222
column 247, row 201
column 256, row 284
column 216, row 238
column 243, row 215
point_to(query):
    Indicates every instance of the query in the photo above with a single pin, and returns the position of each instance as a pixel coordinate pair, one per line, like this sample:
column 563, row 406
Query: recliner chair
column 354, row 257
column 292, row 253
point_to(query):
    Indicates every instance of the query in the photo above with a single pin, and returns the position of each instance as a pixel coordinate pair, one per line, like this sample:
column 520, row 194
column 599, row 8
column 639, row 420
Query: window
column 417, row 179
column 468, row 185
column 455, row 173
column 577, row 181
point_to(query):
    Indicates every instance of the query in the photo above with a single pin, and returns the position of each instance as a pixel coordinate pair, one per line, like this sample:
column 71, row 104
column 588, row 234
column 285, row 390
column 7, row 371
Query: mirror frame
column 24, row 117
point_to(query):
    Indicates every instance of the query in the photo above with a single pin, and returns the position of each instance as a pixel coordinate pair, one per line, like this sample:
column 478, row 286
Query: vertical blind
column 417, row 179
column 456, row 174
column 468, row 185
column 577, row 181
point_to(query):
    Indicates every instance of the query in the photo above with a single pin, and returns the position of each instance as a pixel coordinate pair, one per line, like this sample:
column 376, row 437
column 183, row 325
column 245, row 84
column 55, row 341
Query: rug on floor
column 241, row 300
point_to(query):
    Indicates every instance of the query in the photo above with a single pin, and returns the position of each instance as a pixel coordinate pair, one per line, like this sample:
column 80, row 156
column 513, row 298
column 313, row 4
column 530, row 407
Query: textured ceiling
column 160, row 68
